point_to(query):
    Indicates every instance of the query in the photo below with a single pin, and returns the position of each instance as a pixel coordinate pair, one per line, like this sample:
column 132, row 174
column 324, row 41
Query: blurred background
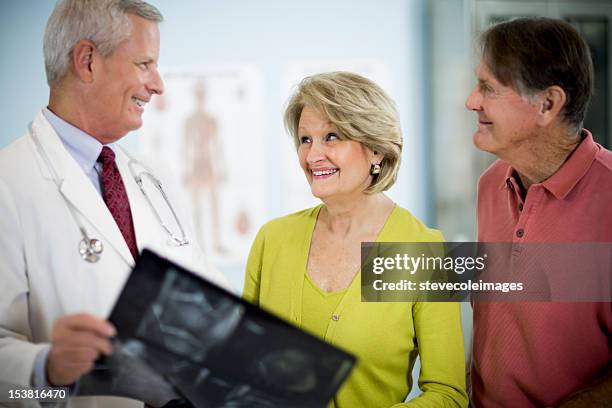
column 230, row 65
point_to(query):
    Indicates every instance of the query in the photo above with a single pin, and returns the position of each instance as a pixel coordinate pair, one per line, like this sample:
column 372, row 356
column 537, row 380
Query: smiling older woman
column 305, row 267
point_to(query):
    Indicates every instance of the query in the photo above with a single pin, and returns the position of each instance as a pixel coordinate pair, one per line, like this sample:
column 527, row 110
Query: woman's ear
column 375, row 157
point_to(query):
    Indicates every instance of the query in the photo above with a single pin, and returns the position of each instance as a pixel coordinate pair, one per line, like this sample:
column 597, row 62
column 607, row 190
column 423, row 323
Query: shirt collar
column 84, row 148
column 572, row 171
column 576, row 166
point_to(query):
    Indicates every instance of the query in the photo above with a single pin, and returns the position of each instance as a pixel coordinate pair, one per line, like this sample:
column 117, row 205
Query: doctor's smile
column 140, row 102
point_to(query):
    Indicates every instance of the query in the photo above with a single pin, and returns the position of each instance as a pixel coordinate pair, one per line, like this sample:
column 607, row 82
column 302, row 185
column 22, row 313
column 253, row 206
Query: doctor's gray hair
column 104, row 22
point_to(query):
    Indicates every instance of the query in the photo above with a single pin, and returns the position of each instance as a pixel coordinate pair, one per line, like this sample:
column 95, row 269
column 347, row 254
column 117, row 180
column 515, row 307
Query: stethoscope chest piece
column 90, row 249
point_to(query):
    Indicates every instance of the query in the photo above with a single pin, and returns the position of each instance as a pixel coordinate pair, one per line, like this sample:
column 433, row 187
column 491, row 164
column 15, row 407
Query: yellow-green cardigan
column 386, row 337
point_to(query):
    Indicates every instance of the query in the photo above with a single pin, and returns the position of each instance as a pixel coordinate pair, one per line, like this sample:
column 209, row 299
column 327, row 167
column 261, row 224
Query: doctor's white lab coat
column 42, row 275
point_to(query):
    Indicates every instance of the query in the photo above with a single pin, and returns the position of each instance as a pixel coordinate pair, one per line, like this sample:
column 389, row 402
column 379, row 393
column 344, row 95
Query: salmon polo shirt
column 528, row 354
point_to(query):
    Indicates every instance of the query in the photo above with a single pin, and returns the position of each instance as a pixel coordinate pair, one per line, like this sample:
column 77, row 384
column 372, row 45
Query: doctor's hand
column 76, row 343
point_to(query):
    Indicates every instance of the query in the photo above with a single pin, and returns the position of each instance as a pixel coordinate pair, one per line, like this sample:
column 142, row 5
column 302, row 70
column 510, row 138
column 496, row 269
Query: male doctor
column 72, row 217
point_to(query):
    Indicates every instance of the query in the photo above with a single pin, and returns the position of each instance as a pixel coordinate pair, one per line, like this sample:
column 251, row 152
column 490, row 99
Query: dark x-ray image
column 213, row 349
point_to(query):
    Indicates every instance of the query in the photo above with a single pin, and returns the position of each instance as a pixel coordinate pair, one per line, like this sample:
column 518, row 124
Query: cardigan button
column 335, row 317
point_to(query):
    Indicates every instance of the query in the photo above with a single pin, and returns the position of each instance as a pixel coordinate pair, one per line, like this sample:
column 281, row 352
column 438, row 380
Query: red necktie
column 116, row 198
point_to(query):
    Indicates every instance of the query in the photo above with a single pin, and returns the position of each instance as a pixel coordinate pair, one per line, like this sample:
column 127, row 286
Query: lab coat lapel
column 80, row 192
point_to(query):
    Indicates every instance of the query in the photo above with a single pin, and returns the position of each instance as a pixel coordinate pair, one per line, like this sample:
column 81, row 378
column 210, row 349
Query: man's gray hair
column 104, row 22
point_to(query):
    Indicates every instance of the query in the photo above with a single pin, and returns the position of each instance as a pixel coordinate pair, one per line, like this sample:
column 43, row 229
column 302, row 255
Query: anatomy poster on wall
column 206, row 128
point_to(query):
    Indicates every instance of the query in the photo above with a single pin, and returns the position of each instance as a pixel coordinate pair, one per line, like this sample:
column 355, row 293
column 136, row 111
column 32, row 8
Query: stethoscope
column 90, row 249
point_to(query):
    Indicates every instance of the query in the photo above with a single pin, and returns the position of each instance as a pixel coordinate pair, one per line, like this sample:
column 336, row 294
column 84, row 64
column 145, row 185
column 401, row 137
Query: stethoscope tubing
column 90, row 249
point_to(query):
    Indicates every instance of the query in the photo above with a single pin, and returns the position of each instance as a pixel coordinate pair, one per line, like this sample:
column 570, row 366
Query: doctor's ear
column 82, row 60
column 551, row 103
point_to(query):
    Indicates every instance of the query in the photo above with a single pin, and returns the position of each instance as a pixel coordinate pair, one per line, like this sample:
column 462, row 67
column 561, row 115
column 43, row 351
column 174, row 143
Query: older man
column 72, row 217
column 552, row 183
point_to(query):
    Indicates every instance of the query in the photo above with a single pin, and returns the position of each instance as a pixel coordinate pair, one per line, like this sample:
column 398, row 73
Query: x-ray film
column 188, row 338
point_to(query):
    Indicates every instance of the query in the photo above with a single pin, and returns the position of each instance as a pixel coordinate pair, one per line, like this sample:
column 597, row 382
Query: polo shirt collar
column 571, row 172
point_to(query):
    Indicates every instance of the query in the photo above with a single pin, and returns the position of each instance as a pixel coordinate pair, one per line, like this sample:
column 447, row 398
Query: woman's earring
column 375, row 169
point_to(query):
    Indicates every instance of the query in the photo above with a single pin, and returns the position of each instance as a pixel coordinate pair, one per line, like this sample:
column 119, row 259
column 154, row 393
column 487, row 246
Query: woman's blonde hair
column 360, row 110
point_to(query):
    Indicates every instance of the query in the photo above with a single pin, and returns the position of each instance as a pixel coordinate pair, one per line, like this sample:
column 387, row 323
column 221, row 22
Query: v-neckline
column 309, row 248
column 324, row 294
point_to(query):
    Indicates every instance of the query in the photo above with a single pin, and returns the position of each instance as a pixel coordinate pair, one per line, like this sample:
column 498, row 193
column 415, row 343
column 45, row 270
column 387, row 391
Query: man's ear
column 551, row 102
column 82, row 60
